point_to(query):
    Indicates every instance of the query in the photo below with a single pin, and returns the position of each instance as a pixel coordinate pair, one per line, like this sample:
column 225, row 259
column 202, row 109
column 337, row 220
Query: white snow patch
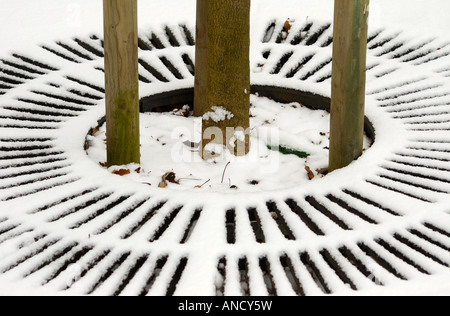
column 218, row 114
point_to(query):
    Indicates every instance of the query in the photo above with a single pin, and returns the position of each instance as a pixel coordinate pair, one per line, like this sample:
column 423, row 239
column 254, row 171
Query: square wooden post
column 121, row 81
column 348, row 81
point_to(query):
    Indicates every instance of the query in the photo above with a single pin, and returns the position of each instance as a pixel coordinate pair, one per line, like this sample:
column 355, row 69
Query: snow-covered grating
column 66, row 225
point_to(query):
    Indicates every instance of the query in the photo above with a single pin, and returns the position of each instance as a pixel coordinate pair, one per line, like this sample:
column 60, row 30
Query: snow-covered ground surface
column 68, row 226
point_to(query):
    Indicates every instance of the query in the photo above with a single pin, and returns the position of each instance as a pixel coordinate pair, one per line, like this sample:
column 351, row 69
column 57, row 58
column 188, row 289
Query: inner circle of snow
column 171, row 143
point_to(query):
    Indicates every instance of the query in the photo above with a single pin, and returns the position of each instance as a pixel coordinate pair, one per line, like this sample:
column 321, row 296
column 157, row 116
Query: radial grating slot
column 281, row 63
column 269, row 32
column 315, row 273
column 75, row 51
column 391, row 49
column 332, row 263
column 221, row 277
column 401, row 255
column 55, row 256
column 85, row 94
column 16, row 74
column 417, row 175
column 86, row 84
column 189, row 64
column 359, row 265
column 410, row 50
column 230, row 224
column 315, row 37
column 165, row 224
column 144, row 45
column 288, row 268
column 43, row 188
column 88, row 267
column 30, row 155
column 10, row 81
column 437, row 229
column 413, row 184
column 39, row 249
column 34, row 180
column 398, row 191
column 316, row 69
column 171, row 68
column 264, row 264
column 190, row 228
column 39, row 112
column 33, row 119
column 153, row 71
column 171, row 37
column 380, row 261
column 244, row 279
column 100, row 211
column 382, row 42
column 295, row 70
column 302, row 34
column 156, row 42
column 147, row 217
column 23, row 68
column 90, row 48
column 15, row 233
column 32, row 162
column 428, row 239
column 160, row 263
column 370, row 202
column 322, row 209
column 131, row 274
column 25, row 147
column 109, row 271
column 120, row 217
column 59, row 54
column 177, row 277
column 304, row 217
column 73, row 259
column 29, row 172
column 419, row 249
column 35, row 62
column 255, row 222
column 65, row 99
column 65, row 107
column 279, row 219
column 187, row 35
column 8, row 228
column 350, row 209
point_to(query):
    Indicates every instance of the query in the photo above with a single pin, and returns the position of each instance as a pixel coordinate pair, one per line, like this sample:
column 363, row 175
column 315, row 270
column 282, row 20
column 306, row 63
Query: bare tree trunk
column 121, row 81
column 222, row 76
column 348, row 81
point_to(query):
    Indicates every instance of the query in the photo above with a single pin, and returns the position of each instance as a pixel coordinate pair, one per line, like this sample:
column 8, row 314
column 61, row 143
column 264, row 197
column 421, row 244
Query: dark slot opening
column 255, row 222
column 264, row 264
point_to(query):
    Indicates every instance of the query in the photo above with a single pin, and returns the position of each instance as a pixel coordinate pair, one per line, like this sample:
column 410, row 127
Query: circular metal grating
column 380, row 223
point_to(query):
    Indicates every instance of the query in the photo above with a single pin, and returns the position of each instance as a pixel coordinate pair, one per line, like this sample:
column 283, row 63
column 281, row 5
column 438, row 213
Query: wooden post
column 348, row 81
column 222, row 76
column 121, row 81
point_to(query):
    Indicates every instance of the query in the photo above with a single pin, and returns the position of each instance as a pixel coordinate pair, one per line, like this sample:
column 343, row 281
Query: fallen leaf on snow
column 310, row 173
column 168, row 177
column 122, row 172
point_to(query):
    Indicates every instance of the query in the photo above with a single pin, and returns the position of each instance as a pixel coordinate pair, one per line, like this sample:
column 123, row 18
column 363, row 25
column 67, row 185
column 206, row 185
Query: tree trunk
column 121, row 81
column 348, row 81
column 222, row 73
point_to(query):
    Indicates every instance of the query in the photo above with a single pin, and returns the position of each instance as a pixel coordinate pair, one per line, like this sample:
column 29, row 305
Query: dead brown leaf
column 310, row 173
column 168, row 177
column 121, row 172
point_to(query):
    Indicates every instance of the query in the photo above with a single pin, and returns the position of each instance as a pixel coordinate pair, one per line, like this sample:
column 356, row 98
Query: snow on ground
column 176, row 140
